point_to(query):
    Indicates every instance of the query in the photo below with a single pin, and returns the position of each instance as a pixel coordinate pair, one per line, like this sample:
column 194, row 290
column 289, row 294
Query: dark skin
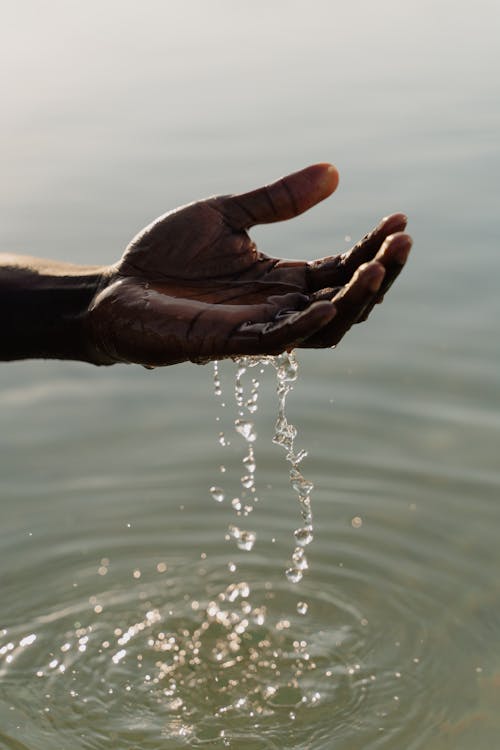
column 193, row 286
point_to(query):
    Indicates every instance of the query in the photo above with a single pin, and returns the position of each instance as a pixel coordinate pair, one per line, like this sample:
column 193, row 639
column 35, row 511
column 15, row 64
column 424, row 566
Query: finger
column 212, row 327
column 284, row 199
column 284, row 333
column 350, row 304
column 337, row 270
column 393, row 255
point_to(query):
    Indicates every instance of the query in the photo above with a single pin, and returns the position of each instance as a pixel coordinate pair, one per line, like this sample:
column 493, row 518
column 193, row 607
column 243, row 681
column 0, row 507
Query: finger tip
column 396, row 246
column 401, row 238
column 331, row 177
column 370, row 275
column 326, row 176
column 394, row 222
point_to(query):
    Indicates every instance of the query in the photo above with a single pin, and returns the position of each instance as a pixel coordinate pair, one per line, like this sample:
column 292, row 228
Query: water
column 110, row 540
column 284, row 435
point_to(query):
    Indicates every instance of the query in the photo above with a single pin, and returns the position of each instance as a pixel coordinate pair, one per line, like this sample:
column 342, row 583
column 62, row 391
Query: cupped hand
column 193, row 286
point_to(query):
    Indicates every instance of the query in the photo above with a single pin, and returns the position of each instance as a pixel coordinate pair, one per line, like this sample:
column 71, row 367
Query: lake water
column 111, row 546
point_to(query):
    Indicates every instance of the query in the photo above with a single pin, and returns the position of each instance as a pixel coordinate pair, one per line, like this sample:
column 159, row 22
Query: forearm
column 44, row 306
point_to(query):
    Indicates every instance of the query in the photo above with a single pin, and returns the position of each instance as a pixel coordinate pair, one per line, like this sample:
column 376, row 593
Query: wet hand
column 193, row 286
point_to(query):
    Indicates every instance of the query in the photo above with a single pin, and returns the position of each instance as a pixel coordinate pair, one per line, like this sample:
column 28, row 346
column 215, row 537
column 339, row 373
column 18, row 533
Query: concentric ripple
column 230, row 665
column 224, row 667
column 153, row 629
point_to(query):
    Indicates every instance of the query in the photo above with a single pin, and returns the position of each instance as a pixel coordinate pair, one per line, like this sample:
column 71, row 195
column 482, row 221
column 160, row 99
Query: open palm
column 193, row 286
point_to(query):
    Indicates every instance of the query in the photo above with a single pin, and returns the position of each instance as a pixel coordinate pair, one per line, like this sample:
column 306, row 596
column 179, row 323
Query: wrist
column 46, row 304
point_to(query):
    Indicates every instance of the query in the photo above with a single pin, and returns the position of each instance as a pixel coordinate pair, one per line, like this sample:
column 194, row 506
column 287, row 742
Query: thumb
column 284, row 199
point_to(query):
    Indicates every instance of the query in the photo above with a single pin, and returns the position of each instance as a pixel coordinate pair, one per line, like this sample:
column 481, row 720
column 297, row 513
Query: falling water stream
column 286, row 367
column 246, row 401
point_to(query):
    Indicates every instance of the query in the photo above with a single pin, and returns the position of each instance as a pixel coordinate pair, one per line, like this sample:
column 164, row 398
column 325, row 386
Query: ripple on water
column 229, row 665
column 238, row 665
column 132, row 660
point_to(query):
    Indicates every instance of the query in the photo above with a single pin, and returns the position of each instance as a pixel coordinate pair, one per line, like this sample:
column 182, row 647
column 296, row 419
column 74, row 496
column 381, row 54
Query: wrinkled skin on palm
column 193, row 285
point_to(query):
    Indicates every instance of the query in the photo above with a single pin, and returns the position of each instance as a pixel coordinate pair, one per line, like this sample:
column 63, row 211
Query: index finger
column 283, row 199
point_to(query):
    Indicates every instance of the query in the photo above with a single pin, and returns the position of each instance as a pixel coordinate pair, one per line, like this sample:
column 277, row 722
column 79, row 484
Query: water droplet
column 247, row 481
column 236, row 590
column 269, row 691
column 245, row 540
column 259, row 615
column 304, row 536
column 282, row 624
column 217, row 383
column 249, row 463
column 302, row 608
column 294, row 575
column 285, row 433
column 301, row 486
column 217, row 494
column 299, row 558
column 246, row 429
column 222, row 439
column 287, row 368
column 296, row 458
column 236, row 503
column 238, row 388
column 251, row 403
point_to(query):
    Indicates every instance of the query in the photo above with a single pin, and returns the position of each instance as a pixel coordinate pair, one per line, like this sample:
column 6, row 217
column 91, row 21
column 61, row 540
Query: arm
column 43, row 306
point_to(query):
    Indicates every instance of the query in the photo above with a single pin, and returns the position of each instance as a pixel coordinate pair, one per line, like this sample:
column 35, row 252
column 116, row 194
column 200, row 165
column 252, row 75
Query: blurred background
column 114, row 112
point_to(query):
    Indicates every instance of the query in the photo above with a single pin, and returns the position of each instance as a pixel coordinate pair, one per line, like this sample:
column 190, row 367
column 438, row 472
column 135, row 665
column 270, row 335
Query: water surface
column 110, row 540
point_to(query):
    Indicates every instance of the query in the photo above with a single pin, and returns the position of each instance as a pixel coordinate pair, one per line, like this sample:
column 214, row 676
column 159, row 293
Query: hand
column 193, row 286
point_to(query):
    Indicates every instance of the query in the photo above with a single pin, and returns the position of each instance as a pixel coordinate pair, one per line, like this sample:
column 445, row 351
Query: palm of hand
column 193, row 286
